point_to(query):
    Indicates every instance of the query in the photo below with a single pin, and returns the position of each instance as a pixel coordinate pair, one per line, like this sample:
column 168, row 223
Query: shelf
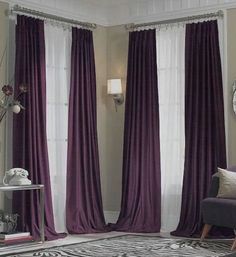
column 40, row 188
column 19, row 246
column 20, row 188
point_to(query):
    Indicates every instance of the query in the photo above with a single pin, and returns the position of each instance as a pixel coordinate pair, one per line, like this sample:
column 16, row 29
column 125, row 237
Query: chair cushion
column 219, row 212
column 214, row 187
column 227, row 186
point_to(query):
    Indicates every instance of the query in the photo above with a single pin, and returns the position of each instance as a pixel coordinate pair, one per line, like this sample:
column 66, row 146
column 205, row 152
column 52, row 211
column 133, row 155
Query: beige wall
column 100, row 47
column 231, row 73
column 3, row 76
column 117, row 51
column 111, row 48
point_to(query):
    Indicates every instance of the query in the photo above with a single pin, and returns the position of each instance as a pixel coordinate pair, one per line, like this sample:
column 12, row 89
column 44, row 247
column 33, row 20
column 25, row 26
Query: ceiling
column 116, row 12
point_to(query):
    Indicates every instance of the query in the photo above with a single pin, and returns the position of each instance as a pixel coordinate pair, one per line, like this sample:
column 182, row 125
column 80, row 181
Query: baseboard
column 111, row 216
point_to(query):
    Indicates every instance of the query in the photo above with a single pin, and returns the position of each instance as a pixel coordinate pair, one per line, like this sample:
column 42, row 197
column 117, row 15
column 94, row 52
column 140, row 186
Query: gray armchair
column 218, row 211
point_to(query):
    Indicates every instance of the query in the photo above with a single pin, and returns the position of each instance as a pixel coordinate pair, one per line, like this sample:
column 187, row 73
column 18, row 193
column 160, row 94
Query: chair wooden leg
column 234, row 245
column 205, row 231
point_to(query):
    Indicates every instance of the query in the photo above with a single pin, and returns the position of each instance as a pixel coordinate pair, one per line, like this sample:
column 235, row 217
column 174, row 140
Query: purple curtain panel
column 84, row 211
column 204, row 122
column 141, row 183
column 29, row 126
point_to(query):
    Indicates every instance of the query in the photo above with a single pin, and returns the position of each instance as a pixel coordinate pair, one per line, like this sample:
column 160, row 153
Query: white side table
column 41, row 225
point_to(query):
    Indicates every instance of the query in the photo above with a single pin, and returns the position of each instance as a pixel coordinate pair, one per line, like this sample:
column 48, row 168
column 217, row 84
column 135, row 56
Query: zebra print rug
column 135, row 246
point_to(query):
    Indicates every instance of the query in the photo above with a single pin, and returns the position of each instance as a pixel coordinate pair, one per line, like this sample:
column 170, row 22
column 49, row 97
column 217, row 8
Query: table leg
column 42, row 236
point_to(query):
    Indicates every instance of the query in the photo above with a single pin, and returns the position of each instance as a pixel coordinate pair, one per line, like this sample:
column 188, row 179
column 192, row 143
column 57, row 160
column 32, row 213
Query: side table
column 41, row 225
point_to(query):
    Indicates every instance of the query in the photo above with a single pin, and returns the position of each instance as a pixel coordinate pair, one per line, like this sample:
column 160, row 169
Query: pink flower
column 7, row 90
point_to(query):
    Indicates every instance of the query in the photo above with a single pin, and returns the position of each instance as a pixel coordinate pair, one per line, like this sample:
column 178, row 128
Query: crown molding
column 96, row 14
column 113, row 12
column 165, row 15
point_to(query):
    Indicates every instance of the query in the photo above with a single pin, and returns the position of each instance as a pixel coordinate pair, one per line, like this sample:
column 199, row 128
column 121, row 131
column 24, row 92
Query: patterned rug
column 135, row 246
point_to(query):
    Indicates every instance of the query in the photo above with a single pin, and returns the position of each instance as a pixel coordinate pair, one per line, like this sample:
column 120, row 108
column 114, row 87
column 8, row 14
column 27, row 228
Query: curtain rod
column 177, row 20
column 18, row 9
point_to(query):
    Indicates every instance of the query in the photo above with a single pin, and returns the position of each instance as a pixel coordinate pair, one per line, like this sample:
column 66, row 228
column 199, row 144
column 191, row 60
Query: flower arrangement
column 9, row 102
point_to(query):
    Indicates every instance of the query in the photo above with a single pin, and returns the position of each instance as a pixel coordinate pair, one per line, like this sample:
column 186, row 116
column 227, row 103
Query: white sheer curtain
column 170, row 62
column 58, row 49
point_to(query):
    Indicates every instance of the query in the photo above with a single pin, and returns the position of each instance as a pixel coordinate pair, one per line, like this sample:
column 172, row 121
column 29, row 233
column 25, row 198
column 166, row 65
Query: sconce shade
column 114, row 87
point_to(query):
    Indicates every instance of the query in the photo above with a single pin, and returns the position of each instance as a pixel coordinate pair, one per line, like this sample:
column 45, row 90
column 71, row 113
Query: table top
column 19, row 188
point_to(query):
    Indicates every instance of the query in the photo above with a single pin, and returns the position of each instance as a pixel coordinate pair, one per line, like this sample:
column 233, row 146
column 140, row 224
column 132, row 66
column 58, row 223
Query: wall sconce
column 114, row 88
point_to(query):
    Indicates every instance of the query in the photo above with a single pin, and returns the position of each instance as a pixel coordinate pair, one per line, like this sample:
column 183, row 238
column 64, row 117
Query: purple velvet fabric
column 84, row 212
column 204, row 122
column 141, row 185
column 29, row 126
